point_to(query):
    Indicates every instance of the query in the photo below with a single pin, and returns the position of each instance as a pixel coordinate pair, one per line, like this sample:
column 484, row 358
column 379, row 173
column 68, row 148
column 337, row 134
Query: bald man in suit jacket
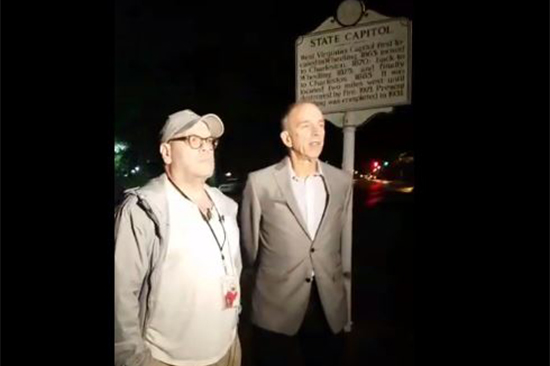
column 292, row 218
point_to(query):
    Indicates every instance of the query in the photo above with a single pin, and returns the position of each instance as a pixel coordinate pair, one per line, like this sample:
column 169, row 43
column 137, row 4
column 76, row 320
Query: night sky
column 235, row 59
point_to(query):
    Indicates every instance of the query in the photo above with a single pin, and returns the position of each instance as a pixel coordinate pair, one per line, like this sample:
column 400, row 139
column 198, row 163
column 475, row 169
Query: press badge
column 230, row 292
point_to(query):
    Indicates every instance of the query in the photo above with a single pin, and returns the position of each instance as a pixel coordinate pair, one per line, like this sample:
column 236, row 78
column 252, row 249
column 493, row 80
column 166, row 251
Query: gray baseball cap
column 183, row 120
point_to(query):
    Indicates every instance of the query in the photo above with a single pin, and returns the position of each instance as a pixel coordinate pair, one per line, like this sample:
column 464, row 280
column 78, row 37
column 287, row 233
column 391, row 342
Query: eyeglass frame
column 213, row 141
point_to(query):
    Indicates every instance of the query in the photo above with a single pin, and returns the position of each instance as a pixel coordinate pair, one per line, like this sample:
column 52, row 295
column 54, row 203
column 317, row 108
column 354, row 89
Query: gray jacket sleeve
column 134, row 235
column 346, row 247
column 250, row 222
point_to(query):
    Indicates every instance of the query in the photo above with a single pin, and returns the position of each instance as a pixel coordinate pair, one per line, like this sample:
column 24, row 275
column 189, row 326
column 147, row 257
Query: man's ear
column 285, row 137
column 166, row 153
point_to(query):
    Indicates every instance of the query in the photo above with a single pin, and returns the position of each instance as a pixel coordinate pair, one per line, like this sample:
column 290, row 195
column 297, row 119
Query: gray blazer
column 276, row 242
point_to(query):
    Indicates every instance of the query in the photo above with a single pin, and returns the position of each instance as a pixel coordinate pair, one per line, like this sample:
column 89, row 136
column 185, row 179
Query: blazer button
column 312, row 250
column 308, row 279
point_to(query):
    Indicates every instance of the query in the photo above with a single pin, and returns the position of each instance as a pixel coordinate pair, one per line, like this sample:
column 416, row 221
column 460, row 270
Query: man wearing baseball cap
column 177, row 258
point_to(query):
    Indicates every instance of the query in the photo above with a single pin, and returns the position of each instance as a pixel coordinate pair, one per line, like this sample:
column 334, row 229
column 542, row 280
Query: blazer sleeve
column 250, row 216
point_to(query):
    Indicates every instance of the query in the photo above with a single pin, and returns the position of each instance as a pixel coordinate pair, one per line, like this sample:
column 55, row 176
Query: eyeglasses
column 196, row 142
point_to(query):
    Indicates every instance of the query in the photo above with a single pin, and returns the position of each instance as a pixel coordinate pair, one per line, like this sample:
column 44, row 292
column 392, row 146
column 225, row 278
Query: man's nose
column 317, row 130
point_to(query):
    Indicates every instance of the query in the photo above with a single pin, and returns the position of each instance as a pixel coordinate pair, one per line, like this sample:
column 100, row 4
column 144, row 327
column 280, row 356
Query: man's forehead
column 305, row 112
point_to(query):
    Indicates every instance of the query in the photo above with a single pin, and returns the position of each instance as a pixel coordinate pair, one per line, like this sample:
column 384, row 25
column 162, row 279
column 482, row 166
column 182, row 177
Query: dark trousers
column 314, row 344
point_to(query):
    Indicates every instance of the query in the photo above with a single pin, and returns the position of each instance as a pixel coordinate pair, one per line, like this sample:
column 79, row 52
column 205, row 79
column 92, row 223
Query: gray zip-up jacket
column 141, row 238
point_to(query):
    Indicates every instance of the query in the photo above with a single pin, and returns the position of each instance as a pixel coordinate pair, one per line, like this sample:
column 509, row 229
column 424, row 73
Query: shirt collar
column 294, row 177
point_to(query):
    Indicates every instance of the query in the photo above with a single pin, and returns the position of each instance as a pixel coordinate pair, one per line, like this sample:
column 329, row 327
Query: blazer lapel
column 282, row 177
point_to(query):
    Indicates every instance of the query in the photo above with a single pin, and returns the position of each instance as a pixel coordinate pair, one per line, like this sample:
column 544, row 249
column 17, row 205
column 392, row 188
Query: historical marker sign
column 357, row 68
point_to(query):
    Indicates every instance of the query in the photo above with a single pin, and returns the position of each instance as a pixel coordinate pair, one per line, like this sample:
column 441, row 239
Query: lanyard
column 206, row 218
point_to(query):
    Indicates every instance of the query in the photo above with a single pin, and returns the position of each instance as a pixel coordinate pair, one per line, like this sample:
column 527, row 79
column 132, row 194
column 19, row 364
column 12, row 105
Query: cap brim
column 214, row 123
